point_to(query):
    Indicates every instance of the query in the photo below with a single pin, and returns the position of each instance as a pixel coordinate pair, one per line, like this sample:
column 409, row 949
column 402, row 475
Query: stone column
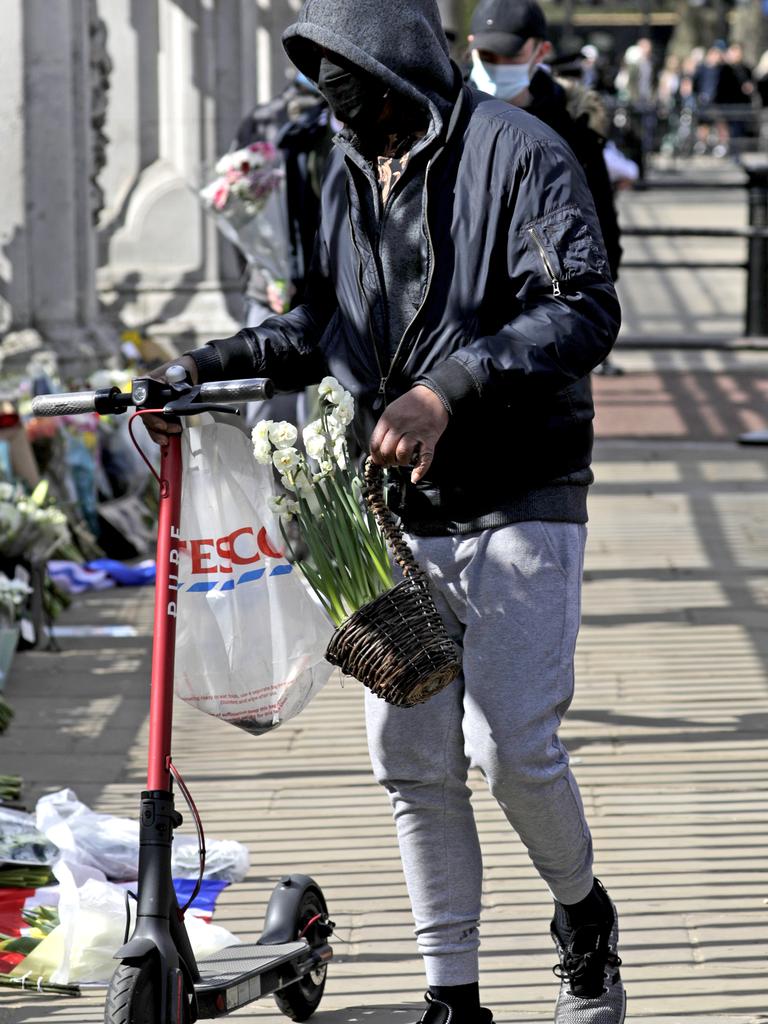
column 57, row 182
column 15, row 311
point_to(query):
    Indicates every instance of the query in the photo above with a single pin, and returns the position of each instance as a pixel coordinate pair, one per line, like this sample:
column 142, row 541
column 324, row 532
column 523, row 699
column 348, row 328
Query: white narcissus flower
column 306, row 491
column 326, row 467
column 336, row 428
column 283, row 506
column 261, row 430
column 262, row 451
column 316, row 446
column 330, row 389
column 283, row 434
column 345, row 410
column 326, row 385
column 285, row 459
column 312, row 429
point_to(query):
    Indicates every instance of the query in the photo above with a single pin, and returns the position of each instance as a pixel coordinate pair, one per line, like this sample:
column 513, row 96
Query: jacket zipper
column 430, row 251
column 384, row 377
column 545, row 260
column 374, row 346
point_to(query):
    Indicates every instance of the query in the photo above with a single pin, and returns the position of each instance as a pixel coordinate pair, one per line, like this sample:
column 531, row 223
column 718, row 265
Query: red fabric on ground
column 11, row 905
column 8, row 961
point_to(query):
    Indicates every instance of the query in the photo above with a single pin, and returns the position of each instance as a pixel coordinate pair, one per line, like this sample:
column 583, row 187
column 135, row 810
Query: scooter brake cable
column 200, row 834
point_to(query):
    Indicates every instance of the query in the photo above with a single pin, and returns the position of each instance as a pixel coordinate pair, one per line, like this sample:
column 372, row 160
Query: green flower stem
column 323, row 564
column 346, row 543
column 321, row 542
column 368, row 532
column 339, row 574
column 335, row 611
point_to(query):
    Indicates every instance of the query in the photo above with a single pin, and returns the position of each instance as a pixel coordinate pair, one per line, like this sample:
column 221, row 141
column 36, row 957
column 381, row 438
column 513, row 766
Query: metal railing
column 756, row 265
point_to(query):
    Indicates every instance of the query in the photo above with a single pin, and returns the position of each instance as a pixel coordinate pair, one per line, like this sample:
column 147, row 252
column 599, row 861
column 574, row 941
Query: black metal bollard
column 756, row 167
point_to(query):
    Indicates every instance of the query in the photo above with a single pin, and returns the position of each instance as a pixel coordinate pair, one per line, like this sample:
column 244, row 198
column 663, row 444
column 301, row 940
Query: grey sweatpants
column 511, row 598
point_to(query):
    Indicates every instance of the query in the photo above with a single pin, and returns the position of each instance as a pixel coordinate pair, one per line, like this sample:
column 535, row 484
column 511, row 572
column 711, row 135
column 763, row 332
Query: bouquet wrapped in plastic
column 247, row 199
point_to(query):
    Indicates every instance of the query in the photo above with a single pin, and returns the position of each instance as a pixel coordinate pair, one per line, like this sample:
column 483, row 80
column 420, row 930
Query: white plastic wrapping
column 104, row 846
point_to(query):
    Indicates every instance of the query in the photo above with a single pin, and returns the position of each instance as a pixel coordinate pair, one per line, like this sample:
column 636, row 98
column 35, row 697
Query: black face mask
column 355, row 98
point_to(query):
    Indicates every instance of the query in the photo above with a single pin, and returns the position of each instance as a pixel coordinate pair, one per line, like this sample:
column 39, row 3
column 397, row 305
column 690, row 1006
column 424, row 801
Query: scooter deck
column 237, row 975
column 247, row 958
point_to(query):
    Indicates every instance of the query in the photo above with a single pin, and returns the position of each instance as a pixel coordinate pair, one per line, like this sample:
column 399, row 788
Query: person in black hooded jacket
column 461, row 291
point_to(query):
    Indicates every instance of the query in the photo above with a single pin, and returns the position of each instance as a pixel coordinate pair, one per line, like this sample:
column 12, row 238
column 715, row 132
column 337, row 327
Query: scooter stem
column 166, row 607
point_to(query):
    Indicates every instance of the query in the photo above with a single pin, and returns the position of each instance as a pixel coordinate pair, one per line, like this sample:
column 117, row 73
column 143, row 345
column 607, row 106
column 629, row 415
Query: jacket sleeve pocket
column 566, row 247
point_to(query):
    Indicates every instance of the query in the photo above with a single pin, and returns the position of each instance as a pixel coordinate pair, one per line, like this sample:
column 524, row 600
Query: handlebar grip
column 69, row 404
column 252, row 390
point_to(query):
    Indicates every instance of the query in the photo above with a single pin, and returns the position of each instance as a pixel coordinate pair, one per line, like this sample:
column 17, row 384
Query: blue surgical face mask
column 505, row 81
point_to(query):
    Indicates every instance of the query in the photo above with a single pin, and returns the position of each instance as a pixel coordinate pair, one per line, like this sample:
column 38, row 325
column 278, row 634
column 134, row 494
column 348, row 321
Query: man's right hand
column 157, row 427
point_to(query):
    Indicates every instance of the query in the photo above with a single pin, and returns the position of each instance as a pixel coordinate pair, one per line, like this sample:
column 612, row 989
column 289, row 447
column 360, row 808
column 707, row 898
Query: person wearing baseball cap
column 509, row 40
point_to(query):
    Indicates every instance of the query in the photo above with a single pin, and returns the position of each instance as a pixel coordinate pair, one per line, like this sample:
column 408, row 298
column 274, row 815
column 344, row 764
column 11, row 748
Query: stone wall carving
column 101, row 67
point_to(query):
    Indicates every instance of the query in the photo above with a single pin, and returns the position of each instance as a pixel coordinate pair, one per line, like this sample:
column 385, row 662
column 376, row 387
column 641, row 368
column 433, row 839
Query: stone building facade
column 112, row 113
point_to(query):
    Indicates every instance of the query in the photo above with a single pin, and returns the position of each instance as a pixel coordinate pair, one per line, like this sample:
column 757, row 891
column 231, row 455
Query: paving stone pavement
column 667, row 732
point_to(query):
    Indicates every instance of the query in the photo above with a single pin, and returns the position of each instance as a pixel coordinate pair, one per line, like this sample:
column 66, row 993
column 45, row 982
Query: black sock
column 464, row 1000
column 595, row 908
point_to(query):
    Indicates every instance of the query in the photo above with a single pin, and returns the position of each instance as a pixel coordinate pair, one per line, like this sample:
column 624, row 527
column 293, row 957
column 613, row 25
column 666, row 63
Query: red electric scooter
column 158, row 979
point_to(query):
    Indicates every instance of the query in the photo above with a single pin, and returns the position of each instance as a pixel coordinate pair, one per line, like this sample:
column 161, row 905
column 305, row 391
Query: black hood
column 400, row 42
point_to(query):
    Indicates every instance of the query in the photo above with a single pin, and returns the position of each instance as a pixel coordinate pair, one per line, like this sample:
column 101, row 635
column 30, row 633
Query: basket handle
column 389, row 526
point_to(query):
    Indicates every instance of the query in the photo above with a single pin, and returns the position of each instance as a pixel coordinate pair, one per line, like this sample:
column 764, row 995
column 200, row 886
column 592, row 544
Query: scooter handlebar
column 64, row 405
column 233, row 392
column 224, row 392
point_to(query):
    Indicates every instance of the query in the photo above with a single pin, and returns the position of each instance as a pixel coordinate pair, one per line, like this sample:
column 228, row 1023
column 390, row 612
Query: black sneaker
column 437, row 1012
column 591, row 989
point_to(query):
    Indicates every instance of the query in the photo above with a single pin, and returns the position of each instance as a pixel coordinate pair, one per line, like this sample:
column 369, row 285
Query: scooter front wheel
column 134, row 994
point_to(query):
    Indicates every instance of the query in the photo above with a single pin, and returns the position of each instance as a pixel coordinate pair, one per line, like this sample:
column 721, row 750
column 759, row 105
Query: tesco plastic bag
column 251, row 636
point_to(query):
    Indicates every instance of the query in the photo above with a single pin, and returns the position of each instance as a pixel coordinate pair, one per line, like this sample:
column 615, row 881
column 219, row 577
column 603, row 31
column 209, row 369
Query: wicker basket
column 396, row 645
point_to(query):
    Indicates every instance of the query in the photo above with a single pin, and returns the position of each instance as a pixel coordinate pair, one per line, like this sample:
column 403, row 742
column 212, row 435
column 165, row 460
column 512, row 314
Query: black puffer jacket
column 516, row 304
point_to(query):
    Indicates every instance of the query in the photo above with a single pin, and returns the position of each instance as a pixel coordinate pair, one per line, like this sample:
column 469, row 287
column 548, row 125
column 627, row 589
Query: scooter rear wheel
column 134, row 994
column 300, row 1000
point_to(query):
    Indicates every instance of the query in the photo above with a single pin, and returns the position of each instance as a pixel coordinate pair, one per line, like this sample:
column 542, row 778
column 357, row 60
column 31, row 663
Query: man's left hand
column 408, row 431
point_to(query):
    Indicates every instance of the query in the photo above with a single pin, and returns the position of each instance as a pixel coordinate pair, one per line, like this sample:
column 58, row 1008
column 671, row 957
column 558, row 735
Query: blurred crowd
column 708, row 102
